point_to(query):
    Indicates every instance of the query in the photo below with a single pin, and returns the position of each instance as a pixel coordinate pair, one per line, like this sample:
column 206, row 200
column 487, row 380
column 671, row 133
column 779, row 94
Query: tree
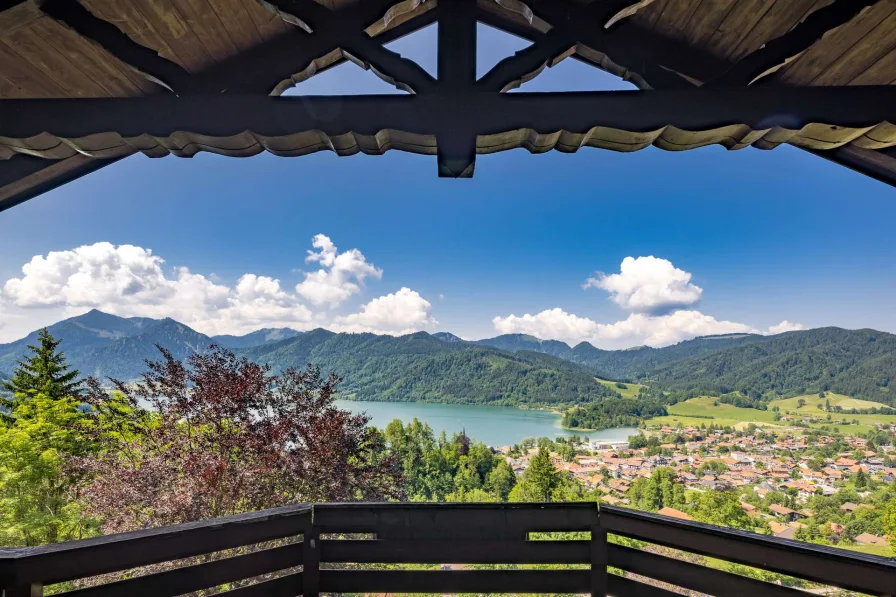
column 661, row 489
column 861, row 480
column 722, row 508
column 889, row 520
column 541, row 478
column 225, row 436
column 36, row 507
column 45, row 371
column 501, row 480
column 801, row 403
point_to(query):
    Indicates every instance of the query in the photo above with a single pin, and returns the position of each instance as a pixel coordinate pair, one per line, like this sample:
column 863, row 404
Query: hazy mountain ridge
column 256, row 338
column 507, row 369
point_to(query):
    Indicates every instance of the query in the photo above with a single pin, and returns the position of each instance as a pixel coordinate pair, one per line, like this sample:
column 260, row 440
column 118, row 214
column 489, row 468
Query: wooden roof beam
column 776, row 53
column 145, row 61
column 528, row 63
column 261, row 69
column 456, row 138
column 483, row 113
column 338, row 29
column 663, row 62
column 583, row 54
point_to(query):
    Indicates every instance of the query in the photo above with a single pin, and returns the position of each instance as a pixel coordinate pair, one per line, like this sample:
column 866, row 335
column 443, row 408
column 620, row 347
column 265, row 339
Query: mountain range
column 512, row 369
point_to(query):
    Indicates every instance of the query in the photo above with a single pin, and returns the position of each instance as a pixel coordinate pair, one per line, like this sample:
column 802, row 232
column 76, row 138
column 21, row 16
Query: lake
column 495, row 426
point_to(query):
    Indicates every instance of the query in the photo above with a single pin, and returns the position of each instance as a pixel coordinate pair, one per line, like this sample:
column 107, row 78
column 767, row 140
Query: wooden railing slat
column 201, row 576
column 454, row 521
column 454, row 581
column 112, row 553
column 618, row 586
column 692, row 576
column 816, row 563
column 284, row 586
column 455, row 552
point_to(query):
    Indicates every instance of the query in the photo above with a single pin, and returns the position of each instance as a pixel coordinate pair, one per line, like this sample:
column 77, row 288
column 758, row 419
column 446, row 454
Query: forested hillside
column 513, row 369
column 857, row 363
column 422, row 367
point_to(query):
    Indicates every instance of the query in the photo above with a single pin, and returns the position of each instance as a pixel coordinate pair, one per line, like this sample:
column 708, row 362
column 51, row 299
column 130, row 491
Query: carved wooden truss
column 688, row 98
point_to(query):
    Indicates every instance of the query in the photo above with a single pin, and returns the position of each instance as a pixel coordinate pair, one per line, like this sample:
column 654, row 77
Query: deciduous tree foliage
column 223, row 436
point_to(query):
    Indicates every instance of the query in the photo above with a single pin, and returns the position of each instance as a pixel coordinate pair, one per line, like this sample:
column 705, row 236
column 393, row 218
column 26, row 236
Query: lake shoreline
column 493, row 425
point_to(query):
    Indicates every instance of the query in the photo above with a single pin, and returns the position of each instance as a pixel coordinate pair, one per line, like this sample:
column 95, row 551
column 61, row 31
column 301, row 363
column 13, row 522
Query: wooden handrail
column 436, row 534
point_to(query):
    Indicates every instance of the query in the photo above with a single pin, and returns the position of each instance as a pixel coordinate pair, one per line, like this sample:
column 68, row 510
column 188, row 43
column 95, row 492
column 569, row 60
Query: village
column 777, row 477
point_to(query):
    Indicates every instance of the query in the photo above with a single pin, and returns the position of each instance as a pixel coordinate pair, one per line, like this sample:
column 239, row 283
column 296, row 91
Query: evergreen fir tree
column 45, row 371
column 541, row 477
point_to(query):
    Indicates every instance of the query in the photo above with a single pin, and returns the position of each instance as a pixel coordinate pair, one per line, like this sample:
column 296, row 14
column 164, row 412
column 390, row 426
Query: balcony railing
column 354, row 548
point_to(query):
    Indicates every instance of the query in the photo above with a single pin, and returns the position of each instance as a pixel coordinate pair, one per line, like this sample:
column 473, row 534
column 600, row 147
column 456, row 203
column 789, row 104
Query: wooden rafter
column 779, row 51
column 332, row 30
column 513, row 71
column 261, row 69
column 658, row 59
column 457, row 80
column 734, row 117
column 141, row 59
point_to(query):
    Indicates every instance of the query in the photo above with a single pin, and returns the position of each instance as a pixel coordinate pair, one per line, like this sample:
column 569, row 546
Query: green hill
column 857, row 363
column 422, row 367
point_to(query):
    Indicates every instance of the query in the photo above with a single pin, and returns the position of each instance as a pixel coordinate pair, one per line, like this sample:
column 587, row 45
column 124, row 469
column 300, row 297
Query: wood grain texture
column 21, row 15
column 882, row 72
column 649, row 16
column 94, row 31
column 269, row 25
column 832, row 46
column 706, row 19
column 178, row 35
column 32, row 47
column 102, row 68
column 139, row 25
column 777, row 52
column 204, row 22
column 736, row 25
column 25, row 76
column 780, row 18
column 861, row 56
column 236, row 21
column 676, row 16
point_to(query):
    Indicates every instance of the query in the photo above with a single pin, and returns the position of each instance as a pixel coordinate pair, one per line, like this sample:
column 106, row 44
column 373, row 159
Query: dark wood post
column 598, row 561
column 456, row 140
column 311, row 562
column 32, row 590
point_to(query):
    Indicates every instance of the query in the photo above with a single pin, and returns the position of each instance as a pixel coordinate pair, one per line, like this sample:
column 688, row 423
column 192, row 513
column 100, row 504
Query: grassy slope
column 693, row 411
column 630, row 392
column 812, row 402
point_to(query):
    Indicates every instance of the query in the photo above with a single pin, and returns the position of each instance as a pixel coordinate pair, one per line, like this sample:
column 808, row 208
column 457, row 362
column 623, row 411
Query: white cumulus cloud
column 636, row 329
column 648, row 285
column 554, row 324
column 785, row 326
column 130, row 281
column 396, row 314
column 341, row 274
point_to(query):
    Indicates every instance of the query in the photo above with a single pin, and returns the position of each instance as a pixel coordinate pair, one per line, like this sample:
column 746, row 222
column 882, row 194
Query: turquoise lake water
column 495, row 426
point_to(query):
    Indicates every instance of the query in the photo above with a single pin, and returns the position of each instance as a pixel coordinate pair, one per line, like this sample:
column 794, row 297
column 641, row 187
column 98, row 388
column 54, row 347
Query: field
column 630, row 391
column 813, row 401
column 704, row 410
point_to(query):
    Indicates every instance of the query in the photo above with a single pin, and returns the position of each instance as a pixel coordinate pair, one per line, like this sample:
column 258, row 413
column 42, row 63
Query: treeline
column 215, row 435
column 613, row 413
column 420, row 367
column 857, row 363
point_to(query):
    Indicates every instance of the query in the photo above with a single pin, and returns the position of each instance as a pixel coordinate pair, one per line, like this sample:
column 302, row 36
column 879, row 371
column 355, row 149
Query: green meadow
column 707, row 409
column 630, row 390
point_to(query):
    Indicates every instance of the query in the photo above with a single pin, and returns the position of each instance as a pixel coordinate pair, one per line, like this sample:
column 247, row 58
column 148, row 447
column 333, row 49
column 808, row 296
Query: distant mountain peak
column 447, row 337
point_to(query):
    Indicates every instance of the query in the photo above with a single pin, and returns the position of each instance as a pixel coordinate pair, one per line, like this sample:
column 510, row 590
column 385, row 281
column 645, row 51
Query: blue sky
column 750, row 238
